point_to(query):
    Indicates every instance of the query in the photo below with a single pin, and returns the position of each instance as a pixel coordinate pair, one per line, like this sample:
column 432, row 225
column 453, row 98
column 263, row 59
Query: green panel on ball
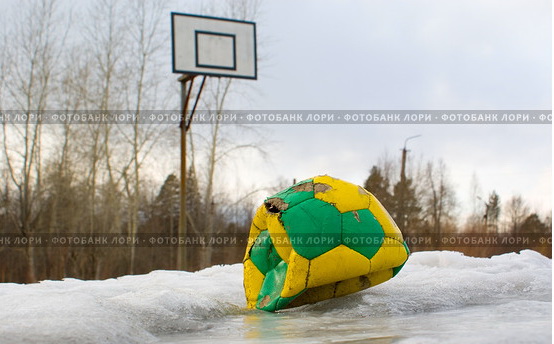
column 314, row 227
column 263, row 253
column 362, row 232
column 270, row 294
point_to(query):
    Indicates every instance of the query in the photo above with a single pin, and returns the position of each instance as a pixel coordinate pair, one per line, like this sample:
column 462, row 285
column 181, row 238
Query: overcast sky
column 402, row 55
column 410, row 55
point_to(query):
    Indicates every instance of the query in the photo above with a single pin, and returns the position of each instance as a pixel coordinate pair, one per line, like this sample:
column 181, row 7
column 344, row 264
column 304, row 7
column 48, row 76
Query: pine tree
column 195, row 206
column 378, row 185
column 405, row 207
column 402, row 203
column 493, row 211
column 533, row 224
column 167, row 204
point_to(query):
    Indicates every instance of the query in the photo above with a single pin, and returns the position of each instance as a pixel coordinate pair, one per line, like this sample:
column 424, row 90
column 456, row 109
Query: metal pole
column 182, row 232
column 403, row 168
column 403, row 215
column 184, row 126
column 404, row 152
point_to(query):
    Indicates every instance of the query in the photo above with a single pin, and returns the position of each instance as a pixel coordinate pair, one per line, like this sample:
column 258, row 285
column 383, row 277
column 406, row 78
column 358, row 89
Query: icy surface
column 439, row 297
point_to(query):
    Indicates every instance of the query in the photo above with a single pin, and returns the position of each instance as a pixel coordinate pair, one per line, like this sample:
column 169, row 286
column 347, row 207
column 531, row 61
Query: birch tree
column 34, row 49
column 146, row 42
column 440, row 201
column 105, row 33
column 516, row 212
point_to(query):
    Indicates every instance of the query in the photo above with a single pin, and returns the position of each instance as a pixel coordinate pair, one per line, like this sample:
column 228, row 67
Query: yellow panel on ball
column 259, row 224
column 260, row 218
column 297, row 275
column 355, row 284
column 338, row 264
column 345, row 196
column 391, row 254
column 385, row 220
column 279, row 236
column 314, row 295
column 253, row 280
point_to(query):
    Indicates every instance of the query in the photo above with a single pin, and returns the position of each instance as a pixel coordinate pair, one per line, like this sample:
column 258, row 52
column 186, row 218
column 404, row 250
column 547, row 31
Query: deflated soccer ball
column 319, row 239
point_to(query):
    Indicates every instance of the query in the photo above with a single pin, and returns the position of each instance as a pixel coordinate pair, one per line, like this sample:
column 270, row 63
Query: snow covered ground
column 439, row 297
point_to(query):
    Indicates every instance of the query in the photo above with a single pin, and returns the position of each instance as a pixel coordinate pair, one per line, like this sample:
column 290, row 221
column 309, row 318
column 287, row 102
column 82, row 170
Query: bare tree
column 474, row 219
column 516, row 211
column 33, row 55
column 105, row 33
column 3, row 63
column 145, row 41
column 440, row 201
column 65, row 165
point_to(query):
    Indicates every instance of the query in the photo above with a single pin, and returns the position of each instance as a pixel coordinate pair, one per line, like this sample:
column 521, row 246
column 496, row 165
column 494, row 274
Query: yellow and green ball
column 319, row 239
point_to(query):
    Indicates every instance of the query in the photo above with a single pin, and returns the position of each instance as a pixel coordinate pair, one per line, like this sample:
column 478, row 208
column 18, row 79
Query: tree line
column 99, row 177
column 424, row 202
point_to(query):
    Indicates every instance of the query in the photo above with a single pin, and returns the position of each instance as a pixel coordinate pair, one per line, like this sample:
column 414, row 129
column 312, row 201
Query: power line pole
column 404, row 154
column 403, row 186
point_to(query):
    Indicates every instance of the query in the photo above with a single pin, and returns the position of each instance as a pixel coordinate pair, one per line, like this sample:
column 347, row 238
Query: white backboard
column 213, row 46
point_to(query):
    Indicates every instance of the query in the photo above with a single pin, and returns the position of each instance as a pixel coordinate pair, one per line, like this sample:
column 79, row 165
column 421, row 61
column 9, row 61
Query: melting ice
column 438, row 297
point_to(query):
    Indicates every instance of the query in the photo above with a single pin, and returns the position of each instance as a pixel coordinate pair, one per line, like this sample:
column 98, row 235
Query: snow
column 438, row 297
